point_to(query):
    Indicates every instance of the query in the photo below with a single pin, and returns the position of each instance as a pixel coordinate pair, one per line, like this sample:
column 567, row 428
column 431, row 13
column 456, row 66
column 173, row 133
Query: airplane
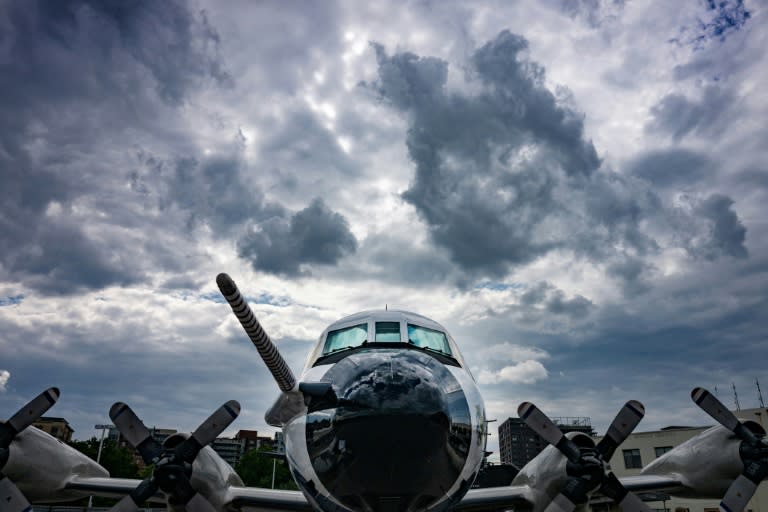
column 386, row 417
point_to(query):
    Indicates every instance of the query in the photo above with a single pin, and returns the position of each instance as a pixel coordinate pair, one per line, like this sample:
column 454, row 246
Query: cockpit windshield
column 429, row 339
column 345, row 338
column 385, row 332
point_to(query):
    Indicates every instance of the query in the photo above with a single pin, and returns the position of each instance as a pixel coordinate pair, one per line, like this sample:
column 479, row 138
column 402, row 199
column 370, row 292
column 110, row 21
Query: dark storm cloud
column 505, row 174
column 678, row 116
column 486, row 164
column 554, row 301
column 220, row 192
column 313, row 235
column 632, row 274
column 727, row 233
column 74, row 77
column 672, row 167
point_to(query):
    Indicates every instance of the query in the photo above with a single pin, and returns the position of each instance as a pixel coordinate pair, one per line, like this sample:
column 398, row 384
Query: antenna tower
column 759, row 393
column 736, row 397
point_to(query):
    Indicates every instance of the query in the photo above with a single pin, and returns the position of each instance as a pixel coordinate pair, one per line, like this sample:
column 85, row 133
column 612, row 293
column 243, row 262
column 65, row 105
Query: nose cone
column 401, row 437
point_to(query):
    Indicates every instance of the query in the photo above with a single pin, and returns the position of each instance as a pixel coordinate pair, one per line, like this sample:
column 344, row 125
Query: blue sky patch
column 12, row 300
column 498, row 286
column 721, row 19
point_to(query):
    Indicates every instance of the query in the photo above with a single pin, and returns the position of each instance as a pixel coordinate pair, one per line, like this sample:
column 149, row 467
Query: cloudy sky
column 576, row 189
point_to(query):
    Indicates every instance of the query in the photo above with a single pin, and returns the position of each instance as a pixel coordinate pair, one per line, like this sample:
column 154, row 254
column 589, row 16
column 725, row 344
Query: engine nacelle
column 211, row 475
column 40, row 465
column 706, row 464
column 545, row 475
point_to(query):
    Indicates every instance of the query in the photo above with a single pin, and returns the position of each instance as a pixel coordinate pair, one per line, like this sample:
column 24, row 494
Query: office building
column 57, row 427
column 518, row 444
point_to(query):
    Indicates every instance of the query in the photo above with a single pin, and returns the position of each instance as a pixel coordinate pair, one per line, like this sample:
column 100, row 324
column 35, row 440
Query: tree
column 115, row 459
column 255, row 468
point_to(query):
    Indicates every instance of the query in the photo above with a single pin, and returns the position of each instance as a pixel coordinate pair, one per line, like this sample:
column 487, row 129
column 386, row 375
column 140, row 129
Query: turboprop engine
column 706, row 464
column 546, row 474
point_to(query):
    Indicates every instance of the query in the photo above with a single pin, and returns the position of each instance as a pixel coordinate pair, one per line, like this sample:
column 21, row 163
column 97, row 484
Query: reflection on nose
column 401, row 437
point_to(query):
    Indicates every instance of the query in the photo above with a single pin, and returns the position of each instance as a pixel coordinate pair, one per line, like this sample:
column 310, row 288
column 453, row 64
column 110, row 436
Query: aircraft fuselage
column 394, row 422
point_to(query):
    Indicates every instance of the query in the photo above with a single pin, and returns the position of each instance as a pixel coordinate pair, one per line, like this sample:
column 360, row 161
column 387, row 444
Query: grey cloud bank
column 144, row 148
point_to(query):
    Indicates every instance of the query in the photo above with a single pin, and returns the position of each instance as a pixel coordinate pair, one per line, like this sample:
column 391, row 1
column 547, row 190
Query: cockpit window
column 428, row 338
column 387, row 331
column 344, row 338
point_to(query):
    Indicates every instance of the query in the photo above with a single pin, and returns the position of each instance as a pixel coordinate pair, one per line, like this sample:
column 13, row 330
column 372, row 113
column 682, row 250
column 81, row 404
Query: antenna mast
column 735, row 396
column 759, row 393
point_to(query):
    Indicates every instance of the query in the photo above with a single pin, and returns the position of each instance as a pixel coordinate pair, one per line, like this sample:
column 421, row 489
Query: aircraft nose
column 401, row 436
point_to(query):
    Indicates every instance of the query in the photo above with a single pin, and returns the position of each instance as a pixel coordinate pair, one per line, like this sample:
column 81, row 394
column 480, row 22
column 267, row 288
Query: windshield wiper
column 342, row 349
column 430, row 349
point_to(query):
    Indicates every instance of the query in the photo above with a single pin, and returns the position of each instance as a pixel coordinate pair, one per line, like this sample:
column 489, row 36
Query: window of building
column 661, row 450
column 54, row 431
column 387, row 331
column 632, row 459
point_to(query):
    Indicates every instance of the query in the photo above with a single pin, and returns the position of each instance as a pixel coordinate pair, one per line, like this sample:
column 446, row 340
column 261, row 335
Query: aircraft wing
column 476, row 500
column 267, row 499
column 523, row 497
column 106, row 487
column 497, row 498
column 652, row 483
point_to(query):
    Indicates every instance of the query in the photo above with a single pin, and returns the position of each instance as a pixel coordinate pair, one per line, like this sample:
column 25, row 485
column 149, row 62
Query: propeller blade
column 134, row 431
column 738, row 494
column 560, row 504
column 198, row 503
column 130, row 503
column 623, row 424
column 209, row 430
column 542, row 425
column 11, row 498
column 720, row 413
column 125, row 505
column 33, row 410
column 629, row 502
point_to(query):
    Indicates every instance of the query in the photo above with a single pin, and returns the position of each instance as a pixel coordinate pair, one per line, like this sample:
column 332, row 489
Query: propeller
column 173, row 466
column 753, row 452
column 10, row 496
column 587, row 468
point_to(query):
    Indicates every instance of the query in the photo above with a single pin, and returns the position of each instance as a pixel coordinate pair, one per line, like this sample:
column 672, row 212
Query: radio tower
column 759, row 393
column 736, row 396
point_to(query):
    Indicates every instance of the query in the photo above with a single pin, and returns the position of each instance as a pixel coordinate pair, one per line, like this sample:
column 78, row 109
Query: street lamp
column 103, row 429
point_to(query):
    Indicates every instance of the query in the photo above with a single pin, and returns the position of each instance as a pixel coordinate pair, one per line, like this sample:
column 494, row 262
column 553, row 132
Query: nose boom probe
column 260, row 339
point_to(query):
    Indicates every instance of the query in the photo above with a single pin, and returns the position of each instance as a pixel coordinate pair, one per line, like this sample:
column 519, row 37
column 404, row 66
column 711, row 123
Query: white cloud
column 5, row 375
column 511, row 352
column 526, row 372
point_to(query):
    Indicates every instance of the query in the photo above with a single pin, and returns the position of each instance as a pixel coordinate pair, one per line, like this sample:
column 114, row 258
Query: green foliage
column 115, row 459
column 255, row 468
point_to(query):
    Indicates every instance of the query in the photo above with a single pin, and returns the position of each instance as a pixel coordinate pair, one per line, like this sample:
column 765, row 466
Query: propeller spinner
column 753, row 452
column 173, row 467
column 587, row 468
column 10, row 495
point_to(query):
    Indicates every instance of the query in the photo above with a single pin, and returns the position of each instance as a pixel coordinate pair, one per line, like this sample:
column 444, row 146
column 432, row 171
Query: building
column 518, row 444
column 640, row 448
column 233, row 449
column 159, row 434
column 57, row 427
column 229, row 449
